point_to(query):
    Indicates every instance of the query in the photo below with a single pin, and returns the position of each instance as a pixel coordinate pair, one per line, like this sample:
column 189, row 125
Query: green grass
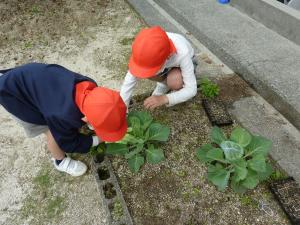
column 55, row 206
column 117, row 212
column 42, row 179
column 278, row 175
column 248, row 201
column 28, row 44
column 43, row 203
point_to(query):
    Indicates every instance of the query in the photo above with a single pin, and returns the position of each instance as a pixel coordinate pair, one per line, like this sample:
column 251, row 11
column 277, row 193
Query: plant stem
column 229, row 167
column 250, row 153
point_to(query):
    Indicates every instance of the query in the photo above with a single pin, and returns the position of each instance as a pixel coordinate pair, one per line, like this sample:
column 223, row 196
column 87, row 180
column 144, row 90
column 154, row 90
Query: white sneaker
column 73, row 167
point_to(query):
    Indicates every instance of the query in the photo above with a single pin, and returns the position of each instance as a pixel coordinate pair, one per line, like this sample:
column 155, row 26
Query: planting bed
column 176, row 191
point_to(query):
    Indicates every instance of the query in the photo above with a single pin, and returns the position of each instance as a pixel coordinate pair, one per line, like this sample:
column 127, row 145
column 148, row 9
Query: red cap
column 150, row 50
column 104, row 110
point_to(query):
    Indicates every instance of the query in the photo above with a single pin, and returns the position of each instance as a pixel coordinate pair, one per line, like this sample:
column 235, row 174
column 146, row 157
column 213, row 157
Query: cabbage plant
column 239, row 160
column 141, row 143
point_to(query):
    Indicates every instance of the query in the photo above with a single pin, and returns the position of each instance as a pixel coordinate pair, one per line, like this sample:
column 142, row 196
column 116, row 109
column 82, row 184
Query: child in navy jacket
column 48, row 98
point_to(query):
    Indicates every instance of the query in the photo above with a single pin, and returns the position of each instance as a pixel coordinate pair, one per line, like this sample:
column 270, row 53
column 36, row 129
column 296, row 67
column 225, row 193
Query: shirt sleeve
column 68, row 137
column 189, row 89
column 95, row 141
column 127, row 87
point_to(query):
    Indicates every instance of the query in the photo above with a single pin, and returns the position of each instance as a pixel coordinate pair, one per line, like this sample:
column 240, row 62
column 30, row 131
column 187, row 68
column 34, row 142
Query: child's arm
column 189, row 89
column 127, row 87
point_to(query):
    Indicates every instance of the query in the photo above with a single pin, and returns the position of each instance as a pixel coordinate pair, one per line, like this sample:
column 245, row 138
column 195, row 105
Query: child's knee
column 174, row 79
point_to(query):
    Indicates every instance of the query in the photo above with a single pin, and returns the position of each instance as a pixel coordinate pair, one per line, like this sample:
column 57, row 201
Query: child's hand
column 155, row 101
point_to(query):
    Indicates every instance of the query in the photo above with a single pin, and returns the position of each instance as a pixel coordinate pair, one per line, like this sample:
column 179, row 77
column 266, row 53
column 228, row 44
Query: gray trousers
column 31, row 130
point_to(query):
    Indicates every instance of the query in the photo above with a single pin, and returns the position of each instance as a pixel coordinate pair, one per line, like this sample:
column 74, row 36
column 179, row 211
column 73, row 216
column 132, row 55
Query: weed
column 54, row 206
column 278, row 175
column 28, row 45
column 35, row 10
column 126, row 41
column 117, row 212
column 42, row 179
column 248, row 201
column 208, row 88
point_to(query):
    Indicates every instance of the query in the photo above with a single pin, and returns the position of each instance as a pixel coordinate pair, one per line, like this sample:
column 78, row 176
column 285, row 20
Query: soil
column 109, row 191
column 176, row 191
column 103, row 173
column 233, row 88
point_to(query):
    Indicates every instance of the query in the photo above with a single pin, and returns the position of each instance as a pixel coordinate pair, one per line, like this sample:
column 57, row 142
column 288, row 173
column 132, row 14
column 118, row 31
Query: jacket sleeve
column 68, row 137
column 189, row 89
column 127, row 87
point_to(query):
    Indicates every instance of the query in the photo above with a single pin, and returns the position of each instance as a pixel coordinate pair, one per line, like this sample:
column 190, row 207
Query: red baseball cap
column 150, row 50
column 104, row 110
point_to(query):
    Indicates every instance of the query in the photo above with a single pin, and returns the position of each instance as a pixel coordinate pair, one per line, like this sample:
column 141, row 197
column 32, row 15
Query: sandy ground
column 89, row 37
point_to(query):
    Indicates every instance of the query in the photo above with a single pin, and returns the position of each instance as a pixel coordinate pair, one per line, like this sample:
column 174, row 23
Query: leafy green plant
column 208, row 88
column 240, row 159
column 140, row 144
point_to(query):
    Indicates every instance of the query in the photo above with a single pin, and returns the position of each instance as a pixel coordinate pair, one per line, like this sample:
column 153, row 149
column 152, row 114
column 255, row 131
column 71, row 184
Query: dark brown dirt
column 176, row 191
column 233, row 88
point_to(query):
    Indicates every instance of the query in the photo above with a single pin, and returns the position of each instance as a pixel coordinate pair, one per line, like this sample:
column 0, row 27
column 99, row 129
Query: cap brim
column 112, row 136
column 142, row 72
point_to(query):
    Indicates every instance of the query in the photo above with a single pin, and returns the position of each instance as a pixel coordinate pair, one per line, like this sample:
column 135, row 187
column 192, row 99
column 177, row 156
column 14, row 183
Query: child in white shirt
column 166, row 58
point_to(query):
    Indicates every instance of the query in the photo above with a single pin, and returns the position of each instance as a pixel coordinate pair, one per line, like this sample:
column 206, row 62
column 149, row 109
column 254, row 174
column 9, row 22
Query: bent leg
column 54, row 149
column 174, row 79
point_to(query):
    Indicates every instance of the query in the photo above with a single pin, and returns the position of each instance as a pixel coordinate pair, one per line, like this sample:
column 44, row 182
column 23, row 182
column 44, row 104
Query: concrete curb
column 274, row 15
column 258, row 116
column 110, row 201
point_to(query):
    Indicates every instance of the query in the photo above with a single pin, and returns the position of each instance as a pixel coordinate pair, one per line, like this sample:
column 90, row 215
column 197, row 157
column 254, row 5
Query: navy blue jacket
column 44, row 94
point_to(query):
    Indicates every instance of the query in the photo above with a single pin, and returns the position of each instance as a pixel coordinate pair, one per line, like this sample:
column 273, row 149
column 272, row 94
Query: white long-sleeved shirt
column 182, row 59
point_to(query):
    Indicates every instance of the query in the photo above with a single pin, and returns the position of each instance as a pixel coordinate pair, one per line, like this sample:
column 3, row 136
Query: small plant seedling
column 278, row 175
column 117, row 210
column 209, row 89
column 98, row 152
column 239, row 160
column 141, row 142
column 35, row 9
column 28, row 45
column 99, row 149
